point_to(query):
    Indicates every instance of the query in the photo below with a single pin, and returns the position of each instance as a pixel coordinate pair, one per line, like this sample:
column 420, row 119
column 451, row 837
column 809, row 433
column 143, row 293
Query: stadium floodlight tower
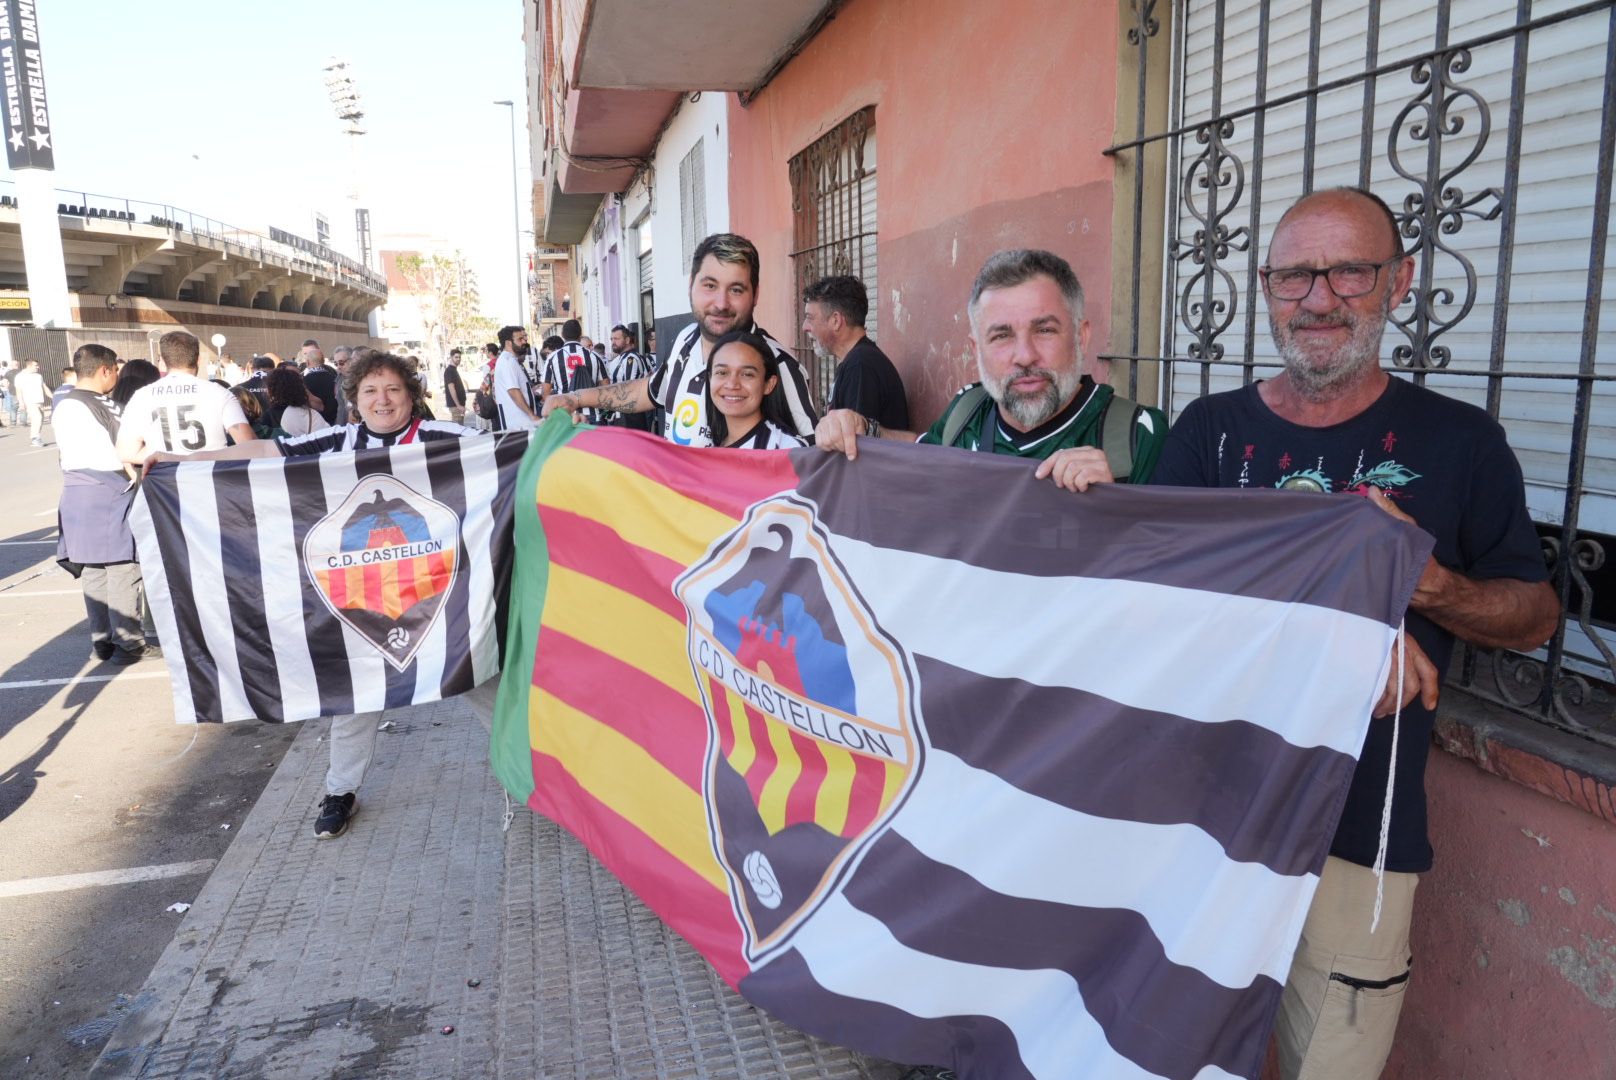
column 350, row 110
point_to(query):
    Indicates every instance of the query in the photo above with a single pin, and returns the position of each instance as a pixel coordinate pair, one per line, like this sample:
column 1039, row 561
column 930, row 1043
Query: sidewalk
column 356, row 957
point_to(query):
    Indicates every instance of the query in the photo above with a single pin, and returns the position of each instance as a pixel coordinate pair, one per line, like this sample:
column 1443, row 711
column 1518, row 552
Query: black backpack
column 483, row 399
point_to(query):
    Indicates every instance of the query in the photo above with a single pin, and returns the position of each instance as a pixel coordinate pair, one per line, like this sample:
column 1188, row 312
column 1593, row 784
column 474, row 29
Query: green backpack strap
column 1116, row 436
column 964, row 408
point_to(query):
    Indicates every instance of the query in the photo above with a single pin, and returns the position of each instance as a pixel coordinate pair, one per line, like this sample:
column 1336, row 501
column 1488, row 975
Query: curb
column 142, row 1029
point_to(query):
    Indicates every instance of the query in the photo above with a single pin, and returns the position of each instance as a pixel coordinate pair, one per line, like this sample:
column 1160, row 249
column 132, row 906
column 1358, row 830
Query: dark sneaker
column 335, row 814
column 104, row 649
column 929, row 1072
column 125, row 657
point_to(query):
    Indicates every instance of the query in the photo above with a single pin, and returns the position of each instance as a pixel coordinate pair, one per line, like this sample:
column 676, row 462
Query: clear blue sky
column 221, row 108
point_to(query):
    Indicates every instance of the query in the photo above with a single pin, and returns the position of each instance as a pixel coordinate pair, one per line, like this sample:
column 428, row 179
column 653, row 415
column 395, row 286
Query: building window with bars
column 833, row 215
column 692, row 201
column 1492, row 138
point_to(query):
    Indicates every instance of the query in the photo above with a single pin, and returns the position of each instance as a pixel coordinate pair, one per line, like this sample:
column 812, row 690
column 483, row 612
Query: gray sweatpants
column 115, row 604
column 353, row 739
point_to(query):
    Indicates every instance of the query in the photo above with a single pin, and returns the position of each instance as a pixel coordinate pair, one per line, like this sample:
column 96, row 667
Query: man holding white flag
column 1335, row 422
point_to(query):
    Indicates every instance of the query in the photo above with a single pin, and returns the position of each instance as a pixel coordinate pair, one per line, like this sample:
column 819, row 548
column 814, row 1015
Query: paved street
column 99, row 788
column 430, row 941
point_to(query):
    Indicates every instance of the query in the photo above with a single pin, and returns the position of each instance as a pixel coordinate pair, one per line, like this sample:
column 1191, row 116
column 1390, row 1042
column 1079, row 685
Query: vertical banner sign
column 27, row 116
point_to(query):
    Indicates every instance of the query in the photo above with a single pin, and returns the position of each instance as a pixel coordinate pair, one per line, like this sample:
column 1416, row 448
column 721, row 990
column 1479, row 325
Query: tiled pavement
column 355, row 957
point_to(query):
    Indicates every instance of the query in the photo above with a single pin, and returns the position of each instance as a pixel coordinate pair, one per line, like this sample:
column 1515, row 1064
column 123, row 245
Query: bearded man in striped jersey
column 723, row 293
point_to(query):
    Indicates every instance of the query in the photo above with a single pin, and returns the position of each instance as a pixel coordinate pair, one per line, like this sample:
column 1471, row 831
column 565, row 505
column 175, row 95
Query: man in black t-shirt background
column 257, row 384
column 454, row 389
column 320, row 380
column 1335, row 423
column 834, row 310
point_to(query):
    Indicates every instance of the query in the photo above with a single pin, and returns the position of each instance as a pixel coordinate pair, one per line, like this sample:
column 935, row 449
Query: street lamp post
column 516, row 224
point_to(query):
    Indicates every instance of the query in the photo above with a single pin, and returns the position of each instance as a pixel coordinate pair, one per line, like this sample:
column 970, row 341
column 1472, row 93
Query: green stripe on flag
column 510, row 750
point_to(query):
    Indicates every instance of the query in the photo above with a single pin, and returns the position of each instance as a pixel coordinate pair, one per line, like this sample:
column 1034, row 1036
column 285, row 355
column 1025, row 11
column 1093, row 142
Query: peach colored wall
column 1514, row 937
column 990, row 119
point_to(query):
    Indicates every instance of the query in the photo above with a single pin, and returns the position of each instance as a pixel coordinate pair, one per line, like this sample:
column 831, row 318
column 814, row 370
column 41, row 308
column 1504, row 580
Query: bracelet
column 871, row 428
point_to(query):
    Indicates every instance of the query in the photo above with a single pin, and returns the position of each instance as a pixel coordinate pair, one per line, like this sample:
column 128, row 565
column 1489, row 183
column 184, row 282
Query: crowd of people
column 1335, row 271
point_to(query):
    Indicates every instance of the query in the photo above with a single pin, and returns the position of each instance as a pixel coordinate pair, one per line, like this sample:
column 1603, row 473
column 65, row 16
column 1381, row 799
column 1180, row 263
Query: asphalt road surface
column 109, row 810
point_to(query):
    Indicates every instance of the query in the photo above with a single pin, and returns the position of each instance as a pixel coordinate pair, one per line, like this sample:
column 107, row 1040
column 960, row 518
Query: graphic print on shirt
column 687, row 420
column 1388, row 476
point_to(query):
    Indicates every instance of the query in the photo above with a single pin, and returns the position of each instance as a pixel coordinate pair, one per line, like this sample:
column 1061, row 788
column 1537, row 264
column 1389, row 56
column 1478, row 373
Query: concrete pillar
column 108, row 278
column 173, row 277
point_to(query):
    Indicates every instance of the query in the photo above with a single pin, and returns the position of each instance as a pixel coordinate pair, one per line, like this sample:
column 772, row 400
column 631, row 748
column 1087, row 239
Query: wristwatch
column 871, row 428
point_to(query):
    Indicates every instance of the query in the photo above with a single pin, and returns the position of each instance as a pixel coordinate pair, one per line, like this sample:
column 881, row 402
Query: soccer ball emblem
column 760, row 875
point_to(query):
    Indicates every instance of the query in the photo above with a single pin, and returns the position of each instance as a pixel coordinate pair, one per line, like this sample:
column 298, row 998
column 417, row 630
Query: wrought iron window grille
column 1457, row 202
column 833, row 231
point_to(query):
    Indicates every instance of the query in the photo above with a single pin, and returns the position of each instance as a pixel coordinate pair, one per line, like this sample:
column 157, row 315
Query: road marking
column 12, row 543
column 66, row 882
column 46, row 592
column 28, row 683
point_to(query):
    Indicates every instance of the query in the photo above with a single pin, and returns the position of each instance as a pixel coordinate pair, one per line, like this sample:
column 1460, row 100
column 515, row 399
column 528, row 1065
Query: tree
column 446, row 289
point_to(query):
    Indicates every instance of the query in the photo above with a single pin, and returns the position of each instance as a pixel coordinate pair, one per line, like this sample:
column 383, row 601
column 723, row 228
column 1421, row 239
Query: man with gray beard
column 1034, row 401
column 1335, row 423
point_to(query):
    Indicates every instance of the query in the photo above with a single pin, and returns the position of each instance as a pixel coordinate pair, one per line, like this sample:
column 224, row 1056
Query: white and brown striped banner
column 290, row 588
column 941, row 762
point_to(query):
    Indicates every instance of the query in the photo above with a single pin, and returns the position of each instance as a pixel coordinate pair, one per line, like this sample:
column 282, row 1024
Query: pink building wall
column 989, row 132
column 1514, row 937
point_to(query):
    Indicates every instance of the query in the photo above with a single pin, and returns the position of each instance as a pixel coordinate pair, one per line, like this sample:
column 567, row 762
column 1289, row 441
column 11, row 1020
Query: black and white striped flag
column 290, row 588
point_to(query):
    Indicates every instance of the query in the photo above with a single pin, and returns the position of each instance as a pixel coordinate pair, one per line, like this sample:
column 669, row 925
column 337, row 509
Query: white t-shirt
column 81, row 440
column 680, row 387
column 509, row 374
column 302, row 420
column 182, row 414
column 30, row 387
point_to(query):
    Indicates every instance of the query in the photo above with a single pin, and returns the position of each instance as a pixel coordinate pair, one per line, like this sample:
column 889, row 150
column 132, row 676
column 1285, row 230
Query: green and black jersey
column 1082, row 423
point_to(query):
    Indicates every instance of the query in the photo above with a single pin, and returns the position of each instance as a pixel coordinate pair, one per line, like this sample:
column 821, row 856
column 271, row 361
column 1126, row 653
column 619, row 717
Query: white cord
column 510, row 814
column 1391, row 780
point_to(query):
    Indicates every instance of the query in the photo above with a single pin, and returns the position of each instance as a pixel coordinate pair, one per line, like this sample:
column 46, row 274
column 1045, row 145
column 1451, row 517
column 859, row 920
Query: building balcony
column 620, row 93
column 606, row 42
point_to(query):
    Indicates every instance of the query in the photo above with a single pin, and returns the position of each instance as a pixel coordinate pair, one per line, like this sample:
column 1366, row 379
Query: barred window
column 1491, row 136
column 833, row 213
column 692, row 201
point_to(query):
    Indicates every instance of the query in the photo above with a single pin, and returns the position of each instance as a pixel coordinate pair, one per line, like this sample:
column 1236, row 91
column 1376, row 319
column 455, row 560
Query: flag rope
column 1391, row 779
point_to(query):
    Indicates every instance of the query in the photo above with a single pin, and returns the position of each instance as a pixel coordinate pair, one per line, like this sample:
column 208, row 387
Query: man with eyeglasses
column 1334, row 422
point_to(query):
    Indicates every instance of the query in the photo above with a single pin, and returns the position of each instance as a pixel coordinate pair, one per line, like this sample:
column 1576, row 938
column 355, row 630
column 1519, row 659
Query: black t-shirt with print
column 1447, row 465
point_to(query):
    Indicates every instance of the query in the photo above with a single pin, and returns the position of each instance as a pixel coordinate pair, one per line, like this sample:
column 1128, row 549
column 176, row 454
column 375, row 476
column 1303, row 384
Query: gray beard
column 1030, row 410
column 1314, row 381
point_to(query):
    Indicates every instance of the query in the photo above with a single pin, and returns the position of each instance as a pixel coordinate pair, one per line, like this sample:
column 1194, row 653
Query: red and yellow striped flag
column 879, row 738
column 615, row 729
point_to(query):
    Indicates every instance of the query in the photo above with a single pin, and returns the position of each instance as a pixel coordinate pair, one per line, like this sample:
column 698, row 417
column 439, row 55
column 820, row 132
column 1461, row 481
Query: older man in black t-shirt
column 833, row 313
column 1334, row 423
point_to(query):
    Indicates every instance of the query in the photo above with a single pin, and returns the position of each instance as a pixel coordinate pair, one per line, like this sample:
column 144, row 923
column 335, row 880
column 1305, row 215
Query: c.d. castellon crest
column 813, row 735
column 384, row 561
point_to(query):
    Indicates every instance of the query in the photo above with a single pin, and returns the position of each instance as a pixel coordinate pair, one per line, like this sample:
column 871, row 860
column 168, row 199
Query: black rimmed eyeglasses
column 1347, row 280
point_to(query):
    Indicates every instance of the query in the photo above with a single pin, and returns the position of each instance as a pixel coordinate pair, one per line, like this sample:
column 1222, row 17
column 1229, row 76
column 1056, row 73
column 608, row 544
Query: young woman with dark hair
column 746, row 407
